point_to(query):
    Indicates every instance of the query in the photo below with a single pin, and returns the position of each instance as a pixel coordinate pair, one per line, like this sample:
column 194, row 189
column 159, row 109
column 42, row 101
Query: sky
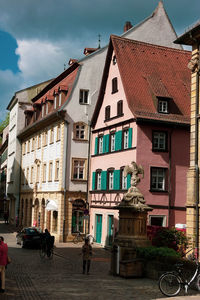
column 38, row 37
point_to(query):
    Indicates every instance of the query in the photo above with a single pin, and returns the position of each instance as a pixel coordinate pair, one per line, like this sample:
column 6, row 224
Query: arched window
column 114, row 85
column 120, row 108
column 107, row 112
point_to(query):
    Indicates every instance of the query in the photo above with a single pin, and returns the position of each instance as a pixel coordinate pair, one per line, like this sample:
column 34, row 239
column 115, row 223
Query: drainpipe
column 65, row 148
column 196, row 164
column 88, row 173
column 169, row 176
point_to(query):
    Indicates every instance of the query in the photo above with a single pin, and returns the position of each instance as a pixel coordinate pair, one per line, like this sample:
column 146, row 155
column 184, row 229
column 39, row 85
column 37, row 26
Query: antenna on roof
column 99, row 41
column 64, row 67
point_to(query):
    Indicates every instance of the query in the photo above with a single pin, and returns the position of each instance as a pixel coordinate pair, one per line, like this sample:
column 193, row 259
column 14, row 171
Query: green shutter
column 107, row 143
column 104, row 143
column 96, row 146
column 118, row 140
column 130, row 130
column 93, row 180
column 104, row 180
column 128, row 181
column 116, row 179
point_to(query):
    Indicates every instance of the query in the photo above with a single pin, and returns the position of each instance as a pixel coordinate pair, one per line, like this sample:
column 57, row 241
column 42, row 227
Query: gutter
column 169, row 177
column 196, row 164
column 88, row 174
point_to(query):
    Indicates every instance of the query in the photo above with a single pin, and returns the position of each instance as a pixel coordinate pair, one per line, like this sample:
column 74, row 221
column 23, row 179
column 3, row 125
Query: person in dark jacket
column 3, row 262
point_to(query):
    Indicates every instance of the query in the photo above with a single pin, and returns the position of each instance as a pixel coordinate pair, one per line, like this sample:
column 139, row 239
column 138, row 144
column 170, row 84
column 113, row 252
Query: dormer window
column 55, row 101
column 60, row 99
column 114, row 85
column 163, row 106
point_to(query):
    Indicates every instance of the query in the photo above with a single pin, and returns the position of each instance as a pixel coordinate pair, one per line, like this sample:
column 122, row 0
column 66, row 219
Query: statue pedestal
column 132, row 234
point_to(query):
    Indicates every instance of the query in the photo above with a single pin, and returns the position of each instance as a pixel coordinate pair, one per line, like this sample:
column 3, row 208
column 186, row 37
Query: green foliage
column 152, row 252
column 4, row 123
column 171, row 238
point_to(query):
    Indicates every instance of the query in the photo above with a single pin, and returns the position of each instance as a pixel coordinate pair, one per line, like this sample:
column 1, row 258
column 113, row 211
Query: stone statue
column 134, row 197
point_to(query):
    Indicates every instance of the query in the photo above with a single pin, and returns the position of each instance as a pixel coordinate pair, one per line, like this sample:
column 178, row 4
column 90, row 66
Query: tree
column 3, row 124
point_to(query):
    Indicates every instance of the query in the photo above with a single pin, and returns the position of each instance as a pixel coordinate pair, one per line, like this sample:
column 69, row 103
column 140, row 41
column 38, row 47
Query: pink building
column 143, row 115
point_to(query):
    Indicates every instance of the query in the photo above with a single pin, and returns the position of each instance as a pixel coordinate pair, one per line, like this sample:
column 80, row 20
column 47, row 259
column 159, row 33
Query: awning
column 51, row 205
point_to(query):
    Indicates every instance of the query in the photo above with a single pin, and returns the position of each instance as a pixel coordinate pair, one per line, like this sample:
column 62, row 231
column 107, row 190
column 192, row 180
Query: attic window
column 163, row 106
column 114, row 60
column 114, row 85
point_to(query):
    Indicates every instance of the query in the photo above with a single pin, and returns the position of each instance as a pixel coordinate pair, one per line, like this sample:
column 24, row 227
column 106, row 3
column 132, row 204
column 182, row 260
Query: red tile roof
column 147, row 72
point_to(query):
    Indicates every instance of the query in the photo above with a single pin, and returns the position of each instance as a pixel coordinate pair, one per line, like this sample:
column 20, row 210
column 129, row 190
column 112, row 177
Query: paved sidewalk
column 29, row 277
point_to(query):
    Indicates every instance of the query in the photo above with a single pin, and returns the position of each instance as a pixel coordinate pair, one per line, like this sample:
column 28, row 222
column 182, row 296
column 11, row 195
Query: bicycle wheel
column 75, row 240
column 169, row 284
column 42, row 252
column 198, row 282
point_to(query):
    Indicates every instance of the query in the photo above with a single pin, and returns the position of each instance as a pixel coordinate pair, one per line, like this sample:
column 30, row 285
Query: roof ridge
column 149, row 44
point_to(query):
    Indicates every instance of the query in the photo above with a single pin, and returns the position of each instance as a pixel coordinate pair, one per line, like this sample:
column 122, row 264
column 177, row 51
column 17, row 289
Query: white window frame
column 163, row 106
column 126, row 138
column 79, row 129
column 100, row 144
column 99, row 181
column 55, row 101
column 79, row 166
column 112, row 142
column 124, row 181
column 44, row 179
column 111, row 180
column 84, row 96
column 158, row 178
column 164, row 222
column 60, row 99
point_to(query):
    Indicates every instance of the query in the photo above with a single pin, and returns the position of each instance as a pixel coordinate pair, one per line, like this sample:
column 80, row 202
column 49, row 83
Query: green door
column 98, row 228
column 110, row 229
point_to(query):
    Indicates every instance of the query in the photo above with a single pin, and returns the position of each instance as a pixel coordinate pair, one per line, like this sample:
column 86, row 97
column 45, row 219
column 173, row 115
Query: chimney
column 127, row 26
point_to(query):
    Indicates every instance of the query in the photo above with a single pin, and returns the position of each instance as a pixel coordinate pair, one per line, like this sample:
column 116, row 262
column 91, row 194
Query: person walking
column 3, row 262
column 87, row 254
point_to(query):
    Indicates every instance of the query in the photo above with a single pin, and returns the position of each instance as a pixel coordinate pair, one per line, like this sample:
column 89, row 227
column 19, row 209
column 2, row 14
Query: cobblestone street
column 29, row 277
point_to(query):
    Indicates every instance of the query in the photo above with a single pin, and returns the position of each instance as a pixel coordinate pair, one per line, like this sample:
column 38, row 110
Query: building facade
column 142, row 115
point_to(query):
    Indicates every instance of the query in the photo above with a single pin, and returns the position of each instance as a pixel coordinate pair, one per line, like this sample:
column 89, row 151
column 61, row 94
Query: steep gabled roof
column 148, row 72
column 156, row 29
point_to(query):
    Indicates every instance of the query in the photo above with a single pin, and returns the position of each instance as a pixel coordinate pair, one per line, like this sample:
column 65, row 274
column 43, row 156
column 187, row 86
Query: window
column 55, row 101
column 163, row 106
column 50, row 171
column 98, row 180
column 123, row 180
column 126, row 139
column 114, row 60
column 39, row 141
column 111, row 179
column 45, row 138
column 159, row 140
column 60, row 99
column 23, row 176
column 79, row 131
column 33, row 144
column 46, row 108
column 158, row 179
column 58, row 133
column 107, row 112
column 114, row 85
column 120, row 108
column 112, row 142
column 38, row 173
column 27, row 176
column 57, row 170
column 32, row 172
column 78, row 169
column 28, row 146
column 44, row 172
column 83, row 97
column 52, row 135
column 42, row 110
column 157, row 220
column 100, row 144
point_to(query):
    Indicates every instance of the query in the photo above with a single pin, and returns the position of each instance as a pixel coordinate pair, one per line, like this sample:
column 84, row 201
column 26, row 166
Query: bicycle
column 78, row 238
column 46, row 248
column 171, row 283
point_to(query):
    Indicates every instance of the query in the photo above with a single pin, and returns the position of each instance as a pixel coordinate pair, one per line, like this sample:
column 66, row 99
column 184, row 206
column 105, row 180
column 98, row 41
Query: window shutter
column 96, row 146
column 93, row 180
column 104, row 144
column 116, row 179
column 130, row 130
column 107, row 138
column 128, row 181
column 104, row 180
column 118, row 140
